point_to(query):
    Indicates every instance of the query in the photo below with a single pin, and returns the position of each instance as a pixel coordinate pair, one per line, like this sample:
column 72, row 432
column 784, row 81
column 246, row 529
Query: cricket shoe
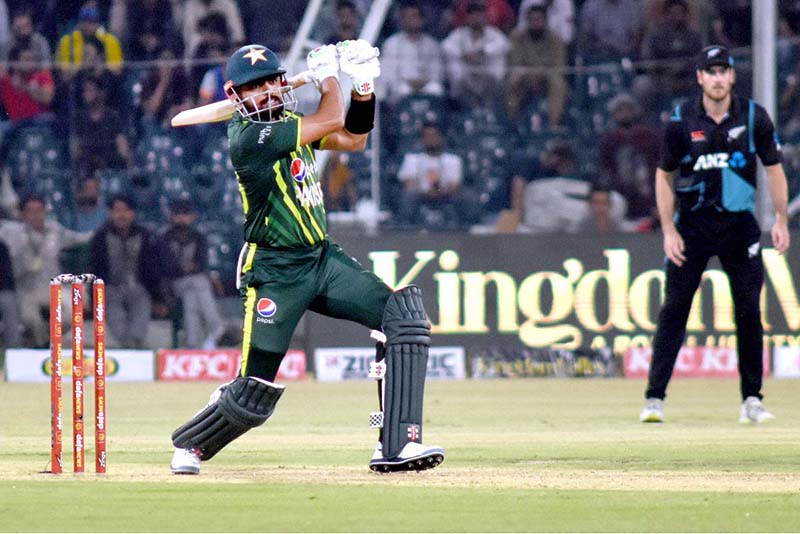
column 185, row 462
column 653, row 411
column 753, row 411
column 414, row 457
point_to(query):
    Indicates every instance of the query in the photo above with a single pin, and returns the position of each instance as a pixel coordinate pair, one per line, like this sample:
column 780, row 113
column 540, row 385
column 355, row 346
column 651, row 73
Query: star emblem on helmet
column 255, row 55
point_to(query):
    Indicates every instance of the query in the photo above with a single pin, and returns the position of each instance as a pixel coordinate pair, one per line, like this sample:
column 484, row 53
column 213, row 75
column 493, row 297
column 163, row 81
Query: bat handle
column 300, row 79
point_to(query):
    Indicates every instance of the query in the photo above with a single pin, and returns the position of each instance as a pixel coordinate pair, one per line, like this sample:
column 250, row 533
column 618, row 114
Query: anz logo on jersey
column 720, row 160
column 308, row 192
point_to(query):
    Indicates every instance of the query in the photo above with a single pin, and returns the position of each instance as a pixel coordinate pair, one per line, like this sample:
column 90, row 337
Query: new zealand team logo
column 266, row 307
column 298, row 170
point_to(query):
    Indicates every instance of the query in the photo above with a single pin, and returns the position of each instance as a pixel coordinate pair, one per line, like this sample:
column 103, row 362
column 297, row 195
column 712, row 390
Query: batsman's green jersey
column 290, row 264
column 278, row 181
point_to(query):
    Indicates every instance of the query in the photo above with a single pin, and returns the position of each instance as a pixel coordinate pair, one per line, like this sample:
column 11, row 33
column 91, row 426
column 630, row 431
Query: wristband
column 360, row 117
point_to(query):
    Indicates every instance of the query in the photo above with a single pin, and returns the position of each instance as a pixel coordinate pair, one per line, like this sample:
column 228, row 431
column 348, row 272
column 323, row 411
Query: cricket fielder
column 291, row 265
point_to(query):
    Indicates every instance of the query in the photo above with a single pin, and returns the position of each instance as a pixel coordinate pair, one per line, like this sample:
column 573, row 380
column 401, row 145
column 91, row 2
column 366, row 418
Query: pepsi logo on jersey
column 266, row 308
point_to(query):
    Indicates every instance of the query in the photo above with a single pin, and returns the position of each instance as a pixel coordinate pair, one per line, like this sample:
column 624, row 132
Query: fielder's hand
column 359, row 60
column 323, row 63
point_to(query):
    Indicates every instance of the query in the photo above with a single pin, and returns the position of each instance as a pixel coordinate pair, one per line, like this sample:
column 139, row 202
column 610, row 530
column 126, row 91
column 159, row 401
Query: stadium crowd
column 496, row 115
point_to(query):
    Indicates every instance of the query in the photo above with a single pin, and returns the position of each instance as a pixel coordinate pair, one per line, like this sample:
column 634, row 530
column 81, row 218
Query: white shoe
column 185, row 462
column 753, row 411
column 653, row 411
column 414, row 457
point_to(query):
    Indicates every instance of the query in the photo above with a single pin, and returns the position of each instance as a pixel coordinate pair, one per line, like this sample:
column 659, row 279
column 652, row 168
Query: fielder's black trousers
column 733, row 238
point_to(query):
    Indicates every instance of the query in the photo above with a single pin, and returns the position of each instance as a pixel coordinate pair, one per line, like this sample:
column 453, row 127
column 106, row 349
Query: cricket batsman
column 289, row 264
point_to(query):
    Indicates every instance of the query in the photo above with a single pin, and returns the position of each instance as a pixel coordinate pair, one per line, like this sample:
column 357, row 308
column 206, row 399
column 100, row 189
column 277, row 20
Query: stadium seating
column 159, row 152
column 224, row 241
column 34, row 151
column 210, row 178
column 408, row 116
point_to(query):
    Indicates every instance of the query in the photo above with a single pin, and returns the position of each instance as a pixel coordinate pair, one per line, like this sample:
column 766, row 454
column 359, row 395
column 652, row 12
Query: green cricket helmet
column 248, row 69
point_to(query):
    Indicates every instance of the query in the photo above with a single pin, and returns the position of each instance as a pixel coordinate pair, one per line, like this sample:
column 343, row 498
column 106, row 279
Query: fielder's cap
column 89, row 13
column 714, row 55
column 252, row 62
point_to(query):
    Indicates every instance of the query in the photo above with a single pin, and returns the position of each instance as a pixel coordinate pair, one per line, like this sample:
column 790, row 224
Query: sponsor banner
column 787, row 362
column 186, row 365
column 695, row 362
column 352, row 363
column 502, row 363
column 559, row 291
column 33, row 365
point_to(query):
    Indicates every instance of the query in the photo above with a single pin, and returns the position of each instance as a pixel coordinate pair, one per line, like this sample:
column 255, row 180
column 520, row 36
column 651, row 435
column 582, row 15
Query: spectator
column 609, row 30
column 733, row 26
column 527, row 167
column 90, row 213
column 23, row 35
column 432, row 183
column 92, row 66
column 701, row 14
column 186, row 246
column 274, row 27
column 212, row 84
column 70, row 53
column 347, row 22
column 628, row 155
column 411, row 60
column 145, row 27
column 673, row 45
column 560, row 17
column 124, row 254
column 196, row 10
column 27, row 89
column 537, row 60
column 36, row 243
column 498, row 14
column 556, row 203
column 10, row 324
column 211, row 45
column 476, row 56
column 339, row 183
column 99, row 141
column 165, row 91
column 605, row 213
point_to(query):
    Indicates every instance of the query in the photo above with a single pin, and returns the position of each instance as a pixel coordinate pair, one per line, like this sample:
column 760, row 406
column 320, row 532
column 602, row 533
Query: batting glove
column 359, row 60
column 323, row 63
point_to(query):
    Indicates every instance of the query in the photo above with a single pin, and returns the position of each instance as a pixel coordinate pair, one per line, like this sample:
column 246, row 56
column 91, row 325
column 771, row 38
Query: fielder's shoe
column 753, row 411
column 653, row 411
column 185, row 462
column 414, row 457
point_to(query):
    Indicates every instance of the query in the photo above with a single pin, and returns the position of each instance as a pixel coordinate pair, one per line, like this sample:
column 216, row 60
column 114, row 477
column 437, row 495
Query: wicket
column 56, row 425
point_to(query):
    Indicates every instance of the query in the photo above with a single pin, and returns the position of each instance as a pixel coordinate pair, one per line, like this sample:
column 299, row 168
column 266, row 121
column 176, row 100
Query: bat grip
column 300, row 79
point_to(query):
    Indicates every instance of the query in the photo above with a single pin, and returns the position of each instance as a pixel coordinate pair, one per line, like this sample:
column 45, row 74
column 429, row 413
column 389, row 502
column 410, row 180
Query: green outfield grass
column 522, row 455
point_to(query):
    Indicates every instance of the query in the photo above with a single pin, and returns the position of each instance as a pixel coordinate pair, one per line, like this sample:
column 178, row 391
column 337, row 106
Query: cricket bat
column 223, row 110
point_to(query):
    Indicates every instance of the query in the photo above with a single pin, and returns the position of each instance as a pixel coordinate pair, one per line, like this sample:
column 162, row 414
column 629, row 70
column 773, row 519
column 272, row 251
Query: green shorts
column 278, row 286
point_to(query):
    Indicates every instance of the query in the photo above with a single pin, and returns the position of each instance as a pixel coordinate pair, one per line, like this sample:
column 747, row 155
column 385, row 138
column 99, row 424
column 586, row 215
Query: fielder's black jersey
column 717, row 162
column 278, row 181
